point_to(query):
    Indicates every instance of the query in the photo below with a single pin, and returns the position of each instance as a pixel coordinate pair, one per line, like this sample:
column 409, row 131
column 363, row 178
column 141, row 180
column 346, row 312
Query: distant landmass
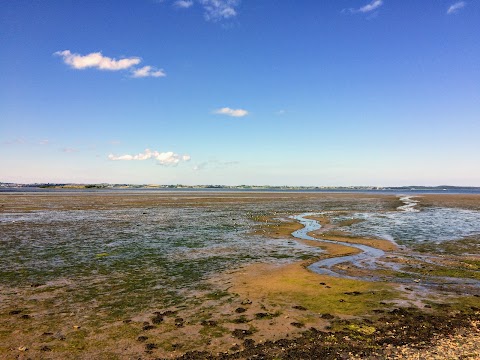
column 6, row 186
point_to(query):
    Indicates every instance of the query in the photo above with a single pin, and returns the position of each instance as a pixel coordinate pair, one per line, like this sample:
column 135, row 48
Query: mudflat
column 219, row 275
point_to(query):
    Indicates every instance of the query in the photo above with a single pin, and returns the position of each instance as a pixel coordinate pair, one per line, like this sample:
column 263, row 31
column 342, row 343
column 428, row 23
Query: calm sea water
column 431, row 224
column 394, row 191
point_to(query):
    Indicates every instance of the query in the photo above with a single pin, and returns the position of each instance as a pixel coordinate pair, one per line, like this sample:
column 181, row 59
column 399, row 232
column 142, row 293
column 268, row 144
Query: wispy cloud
column 24, row 141
column 162, row 158
column 375, row 4
column 215, row 164
column 183, row 4
column 98, row 61
column 148, row 71
column 69, row 150
column 454, row 8
column 372, row 6
column 231, row 112
column 213, row 10
column 216, row 10
column 16, row 141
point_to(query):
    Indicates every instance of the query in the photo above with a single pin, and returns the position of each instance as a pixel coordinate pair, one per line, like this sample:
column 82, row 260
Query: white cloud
column 454, row 8
column 163, row 158
column 231, row 112
column 216, row 10
column 183, row 4
column 69, row 150
column 44, row 142
column 373, row 5
column 96, row 60
column 148, row 71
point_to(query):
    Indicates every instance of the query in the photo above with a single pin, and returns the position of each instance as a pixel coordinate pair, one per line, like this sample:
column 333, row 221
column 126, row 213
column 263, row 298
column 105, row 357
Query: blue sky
column 344, row 92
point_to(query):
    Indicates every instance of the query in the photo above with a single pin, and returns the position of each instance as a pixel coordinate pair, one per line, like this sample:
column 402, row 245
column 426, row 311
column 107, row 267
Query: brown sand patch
column 381, row 244
column 464, row 201
column 294, row 284
column 276, row 228
column 332, row 250
column 125, row 199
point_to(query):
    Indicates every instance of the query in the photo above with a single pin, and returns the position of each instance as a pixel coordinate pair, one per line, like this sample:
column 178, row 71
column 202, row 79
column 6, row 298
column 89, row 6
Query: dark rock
column 157, row 319
column 297, row 324
column 248, row 343
column 196, row 355
column 240, row 320
column 354, row 293
column 262, row 315
column 142, row 338
column 151, row 346
column 166, row 313
column 240, row 310
column 241, row 334
column 299, row 307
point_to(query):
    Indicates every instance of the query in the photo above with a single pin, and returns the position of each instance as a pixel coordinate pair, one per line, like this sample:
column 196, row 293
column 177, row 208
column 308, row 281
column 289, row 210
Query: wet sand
column 277, row 309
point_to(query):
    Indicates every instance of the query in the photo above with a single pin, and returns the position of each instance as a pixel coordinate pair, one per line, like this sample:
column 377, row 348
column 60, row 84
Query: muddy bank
column 141, row 276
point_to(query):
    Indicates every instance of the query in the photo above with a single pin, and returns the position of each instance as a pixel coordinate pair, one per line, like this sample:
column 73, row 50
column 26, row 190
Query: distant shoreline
column 231, row 189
